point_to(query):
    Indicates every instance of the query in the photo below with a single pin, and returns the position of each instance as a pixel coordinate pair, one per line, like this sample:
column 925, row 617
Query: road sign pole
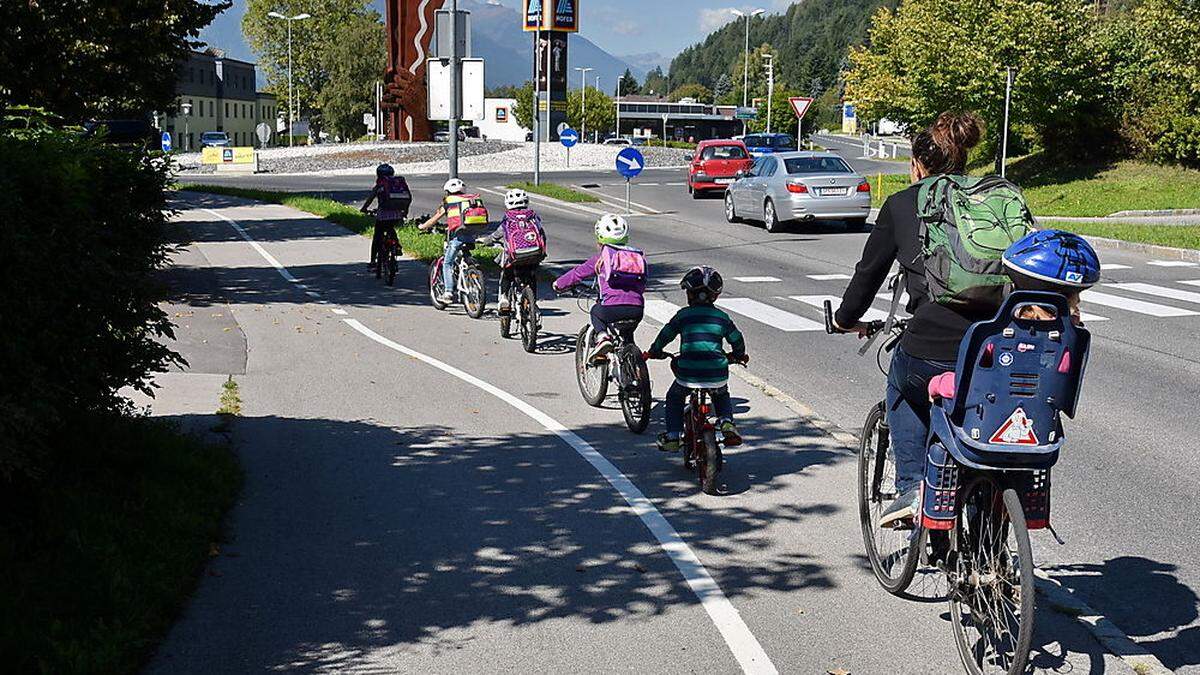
column 626, row 196
column 537, row 113
column 455, row 89
column 568, row 156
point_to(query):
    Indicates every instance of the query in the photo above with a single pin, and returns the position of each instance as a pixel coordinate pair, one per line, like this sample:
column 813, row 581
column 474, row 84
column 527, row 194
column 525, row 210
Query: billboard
column 532, row 16
column 557, row 15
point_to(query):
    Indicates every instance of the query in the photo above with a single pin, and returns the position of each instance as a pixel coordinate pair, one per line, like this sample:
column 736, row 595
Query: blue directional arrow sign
column 166, row 141
column 630, row 162
column 568, row 137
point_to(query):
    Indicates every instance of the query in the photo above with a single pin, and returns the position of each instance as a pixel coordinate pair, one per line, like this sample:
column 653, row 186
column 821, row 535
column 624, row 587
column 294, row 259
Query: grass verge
column 99, row 557
column 420, row 245
column 559, row 192
column 1176, row 236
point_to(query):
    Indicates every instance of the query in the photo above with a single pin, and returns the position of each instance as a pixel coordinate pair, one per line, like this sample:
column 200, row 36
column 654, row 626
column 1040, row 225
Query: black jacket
column 935, row 331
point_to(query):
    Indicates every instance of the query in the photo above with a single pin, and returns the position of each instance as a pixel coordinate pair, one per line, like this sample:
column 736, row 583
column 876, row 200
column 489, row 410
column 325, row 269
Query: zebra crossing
column 802, row 313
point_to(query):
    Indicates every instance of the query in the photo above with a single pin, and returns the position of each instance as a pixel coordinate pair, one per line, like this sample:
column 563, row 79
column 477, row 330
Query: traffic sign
column 630, row 162
column 263, row 131
column 166, row 141
column 745, row 113
column 562, row 126
column 568, row 137
column 800, row 105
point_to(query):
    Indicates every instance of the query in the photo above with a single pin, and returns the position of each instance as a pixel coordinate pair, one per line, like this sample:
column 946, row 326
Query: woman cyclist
column 930, row 344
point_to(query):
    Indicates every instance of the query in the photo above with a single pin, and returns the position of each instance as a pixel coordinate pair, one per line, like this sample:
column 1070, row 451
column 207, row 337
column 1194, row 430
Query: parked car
column 616, row 141
column 794, row 186
column 715, row 165
column 639, row 140
column 214, row 139
column 766, row 144
column 443, row 136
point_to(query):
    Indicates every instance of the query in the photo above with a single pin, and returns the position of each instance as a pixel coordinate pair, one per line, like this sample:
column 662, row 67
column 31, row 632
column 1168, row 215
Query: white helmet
column 454, row 186
column 516, row 198
column 612, row 229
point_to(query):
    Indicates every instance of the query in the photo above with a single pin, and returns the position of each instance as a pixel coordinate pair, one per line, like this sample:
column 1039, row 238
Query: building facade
column 685, row 120
column 216, row 93
column 499, row 122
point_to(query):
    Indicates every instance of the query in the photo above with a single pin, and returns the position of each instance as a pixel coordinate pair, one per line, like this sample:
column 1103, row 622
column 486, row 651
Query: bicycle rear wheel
column 635, row 390
column 473, row 290
column 710, row 462
column 436, row 287
column 393, row 265
column 991, row 585
column 894, row 554
column 529, row 319
column 592, row 378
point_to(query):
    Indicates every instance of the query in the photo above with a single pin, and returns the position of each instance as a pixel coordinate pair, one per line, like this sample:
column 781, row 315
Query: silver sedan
column 799, row 186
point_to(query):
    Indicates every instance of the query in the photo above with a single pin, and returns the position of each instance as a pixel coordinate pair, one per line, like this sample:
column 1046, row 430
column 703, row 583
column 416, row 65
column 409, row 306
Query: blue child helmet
column 384, row 171
column 1055, row 259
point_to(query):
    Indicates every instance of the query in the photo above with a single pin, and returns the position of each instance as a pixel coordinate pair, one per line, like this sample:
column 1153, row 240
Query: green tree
column 97, row 58
column 629, row 84
column 722, row 88
column 656, row 82
column 522, row 109
column 692, row 90
column 783, row 120
column 312, row 39
column 601, row 113
column 354, row 62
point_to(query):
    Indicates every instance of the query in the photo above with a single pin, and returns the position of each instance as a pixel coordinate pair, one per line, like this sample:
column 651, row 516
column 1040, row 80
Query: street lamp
column 291, row 100
column 746, row 57
column 186, row 109
column 769, row 66
column 620, row 78
column 583, row 105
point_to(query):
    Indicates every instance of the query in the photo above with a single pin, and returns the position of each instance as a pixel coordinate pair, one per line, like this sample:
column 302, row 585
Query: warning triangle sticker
column 1016, row 430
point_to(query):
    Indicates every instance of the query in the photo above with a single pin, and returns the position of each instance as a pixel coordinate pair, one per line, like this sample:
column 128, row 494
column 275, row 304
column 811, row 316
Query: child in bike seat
column 621, row 272
column 524, row 243
column 702, row 329
column 1046, row 260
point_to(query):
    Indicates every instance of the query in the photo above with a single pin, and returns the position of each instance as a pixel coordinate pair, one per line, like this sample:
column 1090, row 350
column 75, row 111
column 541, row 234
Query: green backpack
column 967, row 222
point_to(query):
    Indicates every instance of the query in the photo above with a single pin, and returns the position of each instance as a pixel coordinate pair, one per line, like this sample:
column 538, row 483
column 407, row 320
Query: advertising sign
column 533, row 15
column 565, row 16
column 226, row 155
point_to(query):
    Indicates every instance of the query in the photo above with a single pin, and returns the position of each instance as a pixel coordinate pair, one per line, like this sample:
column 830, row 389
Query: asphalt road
column 371, row 450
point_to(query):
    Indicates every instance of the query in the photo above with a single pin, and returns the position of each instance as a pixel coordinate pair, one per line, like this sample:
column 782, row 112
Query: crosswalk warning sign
column 1016, row 430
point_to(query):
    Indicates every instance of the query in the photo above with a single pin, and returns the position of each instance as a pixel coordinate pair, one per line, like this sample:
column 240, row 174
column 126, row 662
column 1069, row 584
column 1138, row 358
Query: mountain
column 496, row 37
column 812, row 39
column 645, row 62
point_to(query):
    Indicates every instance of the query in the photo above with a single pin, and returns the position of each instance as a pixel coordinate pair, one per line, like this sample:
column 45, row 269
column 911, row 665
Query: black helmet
column 702, row 283
column 384, row 171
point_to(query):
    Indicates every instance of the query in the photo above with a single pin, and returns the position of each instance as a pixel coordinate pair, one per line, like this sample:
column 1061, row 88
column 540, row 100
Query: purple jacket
column 608, row 296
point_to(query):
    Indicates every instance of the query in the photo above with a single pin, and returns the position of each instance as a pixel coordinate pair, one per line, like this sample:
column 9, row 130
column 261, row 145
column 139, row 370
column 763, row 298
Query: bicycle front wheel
column 635, row 390
column 473, row 290
column 992, row 599
column 894, row 554
column 592, row 377
column 436, row 287
column 529, row 318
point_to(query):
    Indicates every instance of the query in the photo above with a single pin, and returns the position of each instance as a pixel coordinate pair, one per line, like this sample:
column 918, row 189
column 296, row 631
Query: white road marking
column 1160, row 291
column 771, row 316
column 1191, row 282
column 311, row 294
column 1084, row 316
column 660, row 310
column 340, row 312
column 888, row 296
column 1172, row 263
column 741, row 642
column 1114, row 266
column 1139, row 306
column 756, row 280
column 828, row 277
column 818, row 301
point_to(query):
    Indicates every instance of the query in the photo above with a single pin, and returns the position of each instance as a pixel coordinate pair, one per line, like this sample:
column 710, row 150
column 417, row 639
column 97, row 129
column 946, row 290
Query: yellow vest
column 463, row 209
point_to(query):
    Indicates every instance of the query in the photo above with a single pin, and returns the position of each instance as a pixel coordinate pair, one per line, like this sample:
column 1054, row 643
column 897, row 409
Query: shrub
column 83, row 232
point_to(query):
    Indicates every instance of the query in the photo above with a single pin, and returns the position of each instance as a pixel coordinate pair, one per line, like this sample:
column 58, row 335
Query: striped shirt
column 701, row 330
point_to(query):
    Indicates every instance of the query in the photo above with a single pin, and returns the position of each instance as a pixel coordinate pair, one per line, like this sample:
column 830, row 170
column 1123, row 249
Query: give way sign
column 800, row 105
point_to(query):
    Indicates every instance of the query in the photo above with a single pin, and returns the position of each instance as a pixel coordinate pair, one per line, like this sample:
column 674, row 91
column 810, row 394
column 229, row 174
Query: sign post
column 568, row 137
column 800, row 106
column 629, row 164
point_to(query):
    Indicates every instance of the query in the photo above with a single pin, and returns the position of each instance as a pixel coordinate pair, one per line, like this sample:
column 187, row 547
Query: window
column 782, row 141
column 723, row 152
column 227, row 110
column 769, row 166
column 801, row 165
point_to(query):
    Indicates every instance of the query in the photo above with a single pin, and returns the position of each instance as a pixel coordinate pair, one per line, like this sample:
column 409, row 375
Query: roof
column 719, row 141
column 797, row 154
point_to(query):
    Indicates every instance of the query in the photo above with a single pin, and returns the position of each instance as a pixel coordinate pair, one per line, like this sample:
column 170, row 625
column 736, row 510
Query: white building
column 498, row 121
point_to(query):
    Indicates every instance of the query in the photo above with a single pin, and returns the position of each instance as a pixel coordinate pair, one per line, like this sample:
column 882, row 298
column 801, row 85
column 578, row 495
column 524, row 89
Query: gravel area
column 418, row 158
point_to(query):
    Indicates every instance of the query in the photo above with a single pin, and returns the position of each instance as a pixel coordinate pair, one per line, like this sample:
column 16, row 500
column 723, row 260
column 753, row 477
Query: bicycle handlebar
column 729, row 356
column 872, row 327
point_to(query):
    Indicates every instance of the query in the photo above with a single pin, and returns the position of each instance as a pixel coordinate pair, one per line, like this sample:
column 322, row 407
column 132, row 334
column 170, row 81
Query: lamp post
column 291, row 100
column 583, row 104
column 596, row 133
column 620, row 78
column 769, row 66
column 746, row 56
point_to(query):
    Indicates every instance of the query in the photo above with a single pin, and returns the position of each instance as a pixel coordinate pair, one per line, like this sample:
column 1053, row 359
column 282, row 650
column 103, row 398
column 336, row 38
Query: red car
column 716, row 164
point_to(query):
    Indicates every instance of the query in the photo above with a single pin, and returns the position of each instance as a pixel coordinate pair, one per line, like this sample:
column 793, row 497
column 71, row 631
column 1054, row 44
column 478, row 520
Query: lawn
column 1178, row 236
column 420, row 245
column 100, row 556
column 559, row 192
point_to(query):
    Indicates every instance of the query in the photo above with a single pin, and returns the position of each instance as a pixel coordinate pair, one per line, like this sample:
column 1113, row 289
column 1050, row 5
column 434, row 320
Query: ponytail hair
column 943, row 147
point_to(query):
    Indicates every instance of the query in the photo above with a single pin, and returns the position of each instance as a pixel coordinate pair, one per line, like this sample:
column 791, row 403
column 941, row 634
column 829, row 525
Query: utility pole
column 455, row 89
column 537, row 108
column 769, row 66
column 746, row 58
column 596, row 133
column 620, row 78
column 291, row 98
column 583, row 104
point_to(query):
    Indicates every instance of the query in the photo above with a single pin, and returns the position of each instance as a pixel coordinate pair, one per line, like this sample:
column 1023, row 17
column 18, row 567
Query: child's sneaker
column 446, row 298
column 730, row 432
column 668, row 442
column 505, row 305
column 604, row 345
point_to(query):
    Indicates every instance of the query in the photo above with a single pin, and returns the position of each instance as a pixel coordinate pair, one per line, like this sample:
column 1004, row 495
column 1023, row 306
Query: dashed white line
column 756, row 280
column 312, row 294
column 1191, row 282
column 1172, row 263
column 771, row 316
column 338, row 311
column 1114, row 266
column 828, row 277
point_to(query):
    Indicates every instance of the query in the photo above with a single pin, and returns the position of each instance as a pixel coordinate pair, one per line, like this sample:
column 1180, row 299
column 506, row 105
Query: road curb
column 1154, row 213
column 1164, row 252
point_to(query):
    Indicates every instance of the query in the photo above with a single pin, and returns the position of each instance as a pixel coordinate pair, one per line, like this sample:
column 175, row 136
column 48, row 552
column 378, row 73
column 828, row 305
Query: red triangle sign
column 1016, row 430
column 800, row 105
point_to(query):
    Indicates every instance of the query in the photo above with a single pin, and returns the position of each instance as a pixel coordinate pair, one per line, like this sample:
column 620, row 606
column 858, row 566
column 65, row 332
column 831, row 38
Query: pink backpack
column 622, row 268
column 523, row 240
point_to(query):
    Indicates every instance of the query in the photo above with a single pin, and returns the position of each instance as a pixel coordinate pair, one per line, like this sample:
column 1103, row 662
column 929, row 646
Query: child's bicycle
column 624, row 367
column 987, row 476
column 469, row 284
column 387, row 257
column 702, row 441
column 522, row 302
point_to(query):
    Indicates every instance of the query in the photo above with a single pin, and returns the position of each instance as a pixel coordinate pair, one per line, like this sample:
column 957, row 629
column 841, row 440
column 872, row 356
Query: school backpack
column 622, row 267
column 396, row 195
column 523, row 240
column 967, row 222
column 465, row 210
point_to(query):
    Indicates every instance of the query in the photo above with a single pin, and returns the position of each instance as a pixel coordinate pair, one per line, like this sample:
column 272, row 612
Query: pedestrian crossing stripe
column 818, row 301
column 660, row 310
column 828, row 277
column 1132, row 305
column 1114, row 266
column 1172, row 263
column 756, row 280
column 770, row 315
column 1191, row 282
column 1159, row 291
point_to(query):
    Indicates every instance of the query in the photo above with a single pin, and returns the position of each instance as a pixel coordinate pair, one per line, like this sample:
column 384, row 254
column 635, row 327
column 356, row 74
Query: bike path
column 395, row 519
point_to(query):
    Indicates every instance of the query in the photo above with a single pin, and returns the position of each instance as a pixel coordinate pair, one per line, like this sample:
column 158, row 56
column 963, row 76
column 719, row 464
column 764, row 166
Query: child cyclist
column 394, row 199
column 524, row 240
column 621, row 273
column 461, row 211
column 702, row 329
